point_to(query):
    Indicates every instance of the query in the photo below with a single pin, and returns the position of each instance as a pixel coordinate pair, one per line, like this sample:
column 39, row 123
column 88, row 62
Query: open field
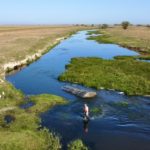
column 136, row 38
column 123, row 74
column 18, row 42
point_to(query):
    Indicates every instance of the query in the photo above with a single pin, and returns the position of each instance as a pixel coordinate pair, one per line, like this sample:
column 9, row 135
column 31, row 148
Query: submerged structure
column 79, row 92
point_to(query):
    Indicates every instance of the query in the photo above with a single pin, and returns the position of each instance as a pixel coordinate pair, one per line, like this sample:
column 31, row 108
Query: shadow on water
column 116, row 121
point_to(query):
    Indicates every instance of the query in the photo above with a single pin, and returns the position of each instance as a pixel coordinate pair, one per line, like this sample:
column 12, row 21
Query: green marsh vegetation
column 24, row 132
column 44, row 102
column 29, row 140
column 93, row 32
column 9, row 96
column 139, row 57
column 125, row 24
column 77, row 145
column 96, row 110
column 122, row 104
column 127, row 75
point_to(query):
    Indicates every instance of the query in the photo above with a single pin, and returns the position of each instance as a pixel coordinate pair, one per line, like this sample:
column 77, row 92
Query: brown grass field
column 141, row 33
column 16, row 42
column 135, row 37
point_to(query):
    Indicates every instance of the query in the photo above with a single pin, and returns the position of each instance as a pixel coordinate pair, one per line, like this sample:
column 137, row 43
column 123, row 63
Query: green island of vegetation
column 128, row 75
column 44, row 102
column 122, row 104
column 96, row 110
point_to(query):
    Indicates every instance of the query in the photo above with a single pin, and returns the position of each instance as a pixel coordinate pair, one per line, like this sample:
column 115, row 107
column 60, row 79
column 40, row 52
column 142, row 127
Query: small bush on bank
column 77, row 145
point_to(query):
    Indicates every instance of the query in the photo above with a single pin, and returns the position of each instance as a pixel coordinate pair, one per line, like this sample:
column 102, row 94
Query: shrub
column 77, row 145
column 104, row 26
column 125, row 24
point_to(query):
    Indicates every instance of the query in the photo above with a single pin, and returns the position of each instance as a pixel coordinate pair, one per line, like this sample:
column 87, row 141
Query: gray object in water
column 79, row 92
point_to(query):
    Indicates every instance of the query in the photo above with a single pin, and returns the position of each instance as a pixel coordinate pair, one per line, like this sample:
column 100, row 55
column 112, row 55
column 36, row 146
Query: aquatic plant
column 130, row 76
column 44, row 102
column 121, row 104
column 96, row 110
column 29, row 140
column 77, row 145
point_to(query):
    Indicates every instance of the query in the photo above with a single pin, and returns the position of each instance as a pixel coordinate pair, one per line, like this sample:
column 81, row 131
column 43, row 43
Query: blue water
column 118, row 127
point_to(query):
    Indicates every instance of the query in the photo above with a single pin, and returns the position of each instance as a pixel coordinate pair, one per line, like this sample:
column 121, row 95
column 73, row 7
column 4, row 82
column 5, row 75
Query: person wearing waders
column 86, row 112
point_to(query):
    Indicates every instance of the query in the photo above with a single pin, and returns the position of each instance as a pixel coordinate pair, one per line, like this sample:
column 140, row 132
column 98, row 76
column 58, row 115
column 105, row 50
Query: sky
column 74, row 11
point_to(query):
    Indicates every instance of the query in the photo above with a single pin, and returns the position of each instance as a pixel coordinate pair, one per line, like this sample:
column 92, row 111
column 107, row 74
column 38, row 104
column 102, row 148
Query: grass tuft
column 44, row 102
column 77, row 145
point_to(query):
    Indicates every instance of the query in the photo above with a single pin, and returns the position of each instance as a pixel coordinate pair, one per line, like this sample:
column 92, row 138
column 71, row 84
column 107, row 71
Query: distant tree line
column 124, row 24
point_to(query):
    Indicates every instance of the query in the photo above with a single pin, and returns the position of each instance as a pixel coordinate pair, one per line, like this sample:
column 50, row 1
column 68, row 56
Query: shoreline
column 17, row 65
column 106, row 37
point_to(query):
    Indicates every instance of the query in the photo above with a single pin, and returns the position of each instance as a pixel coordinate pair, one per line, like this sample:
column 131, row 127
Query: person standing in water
column 86, row 110
column 85, row 117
